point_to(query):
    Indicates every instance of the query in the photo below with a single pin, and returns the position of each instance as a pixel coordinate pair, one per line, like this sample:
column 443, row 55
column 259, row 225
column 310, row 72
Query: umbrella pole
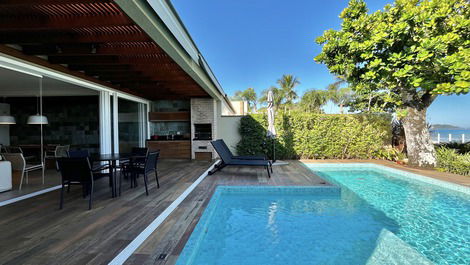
column 274, row 150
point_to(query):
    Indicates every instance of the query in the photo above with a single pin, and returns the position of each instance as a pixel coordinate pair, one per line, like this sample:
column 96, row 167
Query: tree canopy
column 248, row 95
column 403, row 57
column 313, row 100
column 414, row 48
column 287, row 86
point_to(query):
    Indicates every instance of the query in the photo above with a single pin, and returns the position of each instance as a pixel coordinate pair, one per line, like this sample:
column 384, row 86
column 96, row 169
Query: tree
column 278, row 96
column 248, row 95
column 373, row 101
column 287, row 84
column 313, row 100
column 340, row 95
column 414, row 49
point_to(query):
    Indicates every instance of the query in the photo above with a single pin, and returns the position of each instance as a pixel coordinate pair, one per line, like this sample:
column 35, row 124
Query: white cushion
column 5, row 176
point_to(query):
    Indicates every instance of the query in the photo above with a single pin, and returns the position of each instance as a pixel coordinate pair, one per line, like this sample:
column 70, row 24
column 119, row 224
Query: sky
column 252, row 43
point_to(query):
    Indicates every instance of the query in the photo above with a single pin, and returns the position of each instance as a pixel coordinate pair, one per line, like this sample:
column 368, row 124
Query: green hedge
column 449, row 160
column 316, row 136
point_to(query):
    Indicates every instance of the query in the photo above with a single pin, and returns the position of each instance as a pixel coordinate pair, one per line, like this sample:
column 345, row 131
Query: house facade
column 105, row 76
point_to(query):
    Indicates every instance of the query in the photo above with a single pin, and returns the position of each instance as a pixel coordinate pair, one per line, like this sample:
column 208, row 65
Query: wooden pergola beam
column 49, row 2
column 91, row 48
column 97, row 68
column 62, row 23
column 111, row 75
column 68, row 37
column 97, row 59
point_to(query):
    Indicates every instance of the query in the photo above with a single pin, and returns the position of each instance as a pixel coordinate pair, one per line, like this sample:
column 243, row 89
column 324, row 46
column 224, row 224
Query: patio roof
column 98, row 39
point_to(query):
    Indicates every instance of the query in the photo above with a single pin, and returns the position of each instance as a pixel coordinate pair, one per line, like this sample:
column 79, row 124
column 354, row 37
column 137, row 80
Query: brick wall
column 203, row 110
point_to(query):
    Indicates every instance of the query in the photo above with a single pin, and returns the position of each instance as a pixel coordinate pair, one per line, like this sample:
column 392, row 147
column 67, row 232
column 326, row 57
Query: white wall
column 229, row 131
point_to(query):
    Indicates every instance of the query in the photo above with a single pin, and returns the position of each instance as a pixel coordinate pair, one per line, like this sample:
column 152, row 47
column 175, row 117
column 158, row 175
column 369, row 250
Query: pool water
column 432, row 219
column 288, row 225
column 373, row 215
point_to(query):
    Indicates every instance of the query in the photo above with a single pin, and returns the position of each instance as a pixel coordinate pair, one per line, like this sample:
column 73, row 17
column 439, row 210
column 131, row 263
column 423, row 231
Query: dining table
column 112, row 160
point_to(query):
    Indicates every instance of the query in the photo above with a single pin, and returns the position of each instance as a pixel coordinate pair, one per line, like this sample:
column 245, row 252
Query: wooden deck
column 34, row 231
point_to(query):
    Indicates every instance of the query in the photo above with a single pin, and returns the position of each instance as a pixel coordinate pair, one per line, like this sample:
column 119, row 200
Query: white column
column 105, row 122
column 147, row 121
column 115, row 123
column 463, row 138
column 142, row 124
column 450, row 137
column 438, row 138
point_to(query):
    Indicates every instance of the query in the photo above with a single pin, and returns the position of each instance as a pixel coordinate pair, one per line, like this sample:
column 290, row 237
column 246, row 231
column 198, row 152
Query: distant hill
column 445, row 127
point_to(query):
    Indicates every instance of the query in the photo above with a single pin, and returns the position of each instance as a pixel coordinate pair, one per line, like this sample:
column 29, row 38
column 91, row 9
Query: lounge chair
column 228, row 160
column 227, row 149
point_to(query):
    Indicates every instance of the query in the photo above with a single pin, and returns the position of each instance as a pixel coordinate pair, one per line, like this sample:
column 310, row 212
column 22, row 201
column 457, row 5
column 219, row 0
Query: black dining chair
column 149, row 166
column 138, row 155
column 85, row 153
column 78, row 153
column 99, row 170
column 76, row 171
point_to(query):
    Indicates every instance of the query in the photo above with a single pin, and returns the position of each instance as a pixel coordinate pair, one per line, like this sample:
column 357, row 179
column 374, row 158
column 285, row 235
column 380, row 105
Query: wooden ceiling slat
column 49, row 2
column 96, row 39
column 111, row 60
column 57, row 37
column 62, row 23
column 109, row 68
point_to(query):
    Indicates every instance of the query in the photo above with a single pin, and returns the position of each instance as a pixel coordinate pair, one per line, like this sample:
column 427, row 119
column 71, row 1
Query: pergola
column 94, row 40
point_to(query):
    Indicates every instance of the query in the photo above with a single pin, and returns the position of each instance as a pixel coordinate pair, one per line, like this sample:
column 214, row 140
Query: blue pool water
column 432, row 219
column 373, row 217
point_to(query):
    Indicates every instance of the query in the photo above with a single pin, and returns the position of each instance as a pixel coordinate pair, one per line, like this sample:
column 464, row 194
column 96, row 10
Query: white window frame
column 15, row 64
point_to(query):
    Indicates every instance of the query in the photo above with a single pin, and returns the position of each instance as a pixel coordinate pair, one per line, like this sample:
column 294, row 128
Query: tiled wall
column 72, row 120
column 170, row 127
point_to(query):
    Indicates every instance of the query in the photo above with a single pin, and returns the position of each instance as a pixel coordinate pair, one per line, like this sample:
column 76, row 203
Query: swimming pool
column 431, row 216
column 294, row 225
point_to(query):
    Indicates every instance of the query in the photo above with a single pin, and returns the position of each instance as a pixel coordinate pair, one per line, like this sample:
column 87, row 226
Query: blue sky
column 252, row 43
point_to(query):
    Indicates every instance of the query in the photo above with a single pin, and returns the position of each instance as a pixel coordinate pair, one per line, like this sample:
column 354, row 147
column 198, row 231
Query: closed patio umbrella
column 271, row 129
column 271, row 133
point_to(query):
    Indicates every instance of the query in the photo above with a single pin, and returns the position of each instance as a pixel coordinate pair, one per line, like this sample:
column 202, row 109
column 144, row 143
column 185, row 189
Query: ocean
column 456, row 135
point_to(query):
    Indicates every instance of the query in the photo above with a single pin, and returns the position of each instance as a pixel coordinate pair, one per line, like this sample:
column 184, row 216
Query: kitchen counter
column 175, row 149
column 165, row 140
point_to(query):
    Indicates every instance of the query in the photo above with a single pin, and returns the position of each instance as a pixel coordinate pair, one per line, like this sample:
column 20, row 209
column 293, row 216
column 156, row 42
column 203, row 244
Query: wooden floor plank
column 38, row 232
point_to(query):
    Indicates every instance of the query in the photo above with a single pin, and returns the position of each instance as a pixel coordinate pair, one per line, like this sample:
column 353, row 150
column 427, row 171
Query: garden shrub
column 449, row 160
column 316, row 136
column 459, row 147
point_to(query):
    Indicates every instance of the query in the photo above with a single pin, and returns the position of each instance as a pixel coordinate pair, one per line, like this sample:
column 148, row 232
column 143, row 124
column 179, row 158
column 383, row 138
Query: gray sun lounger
column 227, row 159
column 227, row 149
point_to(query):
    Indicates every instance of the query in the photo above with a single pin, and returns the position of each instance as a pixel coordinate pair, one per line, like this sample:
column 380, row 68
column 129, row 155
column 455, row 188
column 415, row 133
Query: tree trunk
column 419, row 146
column 341, row 108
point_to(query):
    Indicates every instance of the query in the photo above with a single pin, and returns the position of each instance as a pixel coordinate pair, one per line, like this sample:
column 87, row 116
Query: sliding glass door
column 131, row 124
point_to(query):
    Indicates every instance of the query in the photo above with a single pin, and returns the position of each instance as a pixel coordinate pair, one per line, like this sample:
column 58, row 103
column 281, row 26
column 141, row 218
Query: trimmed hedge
column 316, row 136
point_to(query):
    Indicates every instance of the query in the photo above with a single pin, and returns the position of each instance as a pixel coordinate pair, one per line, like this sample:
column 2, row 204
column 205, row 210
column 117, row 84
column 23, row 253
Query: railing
column 458, row 138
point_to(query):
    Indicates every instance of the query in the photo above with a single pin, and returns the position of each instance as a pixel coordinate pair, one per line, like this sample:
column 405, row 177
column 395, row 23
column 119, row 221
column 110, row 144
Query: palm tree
column 287, row 84
column 278, row 96
column 340, row 95
column 313, row 100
